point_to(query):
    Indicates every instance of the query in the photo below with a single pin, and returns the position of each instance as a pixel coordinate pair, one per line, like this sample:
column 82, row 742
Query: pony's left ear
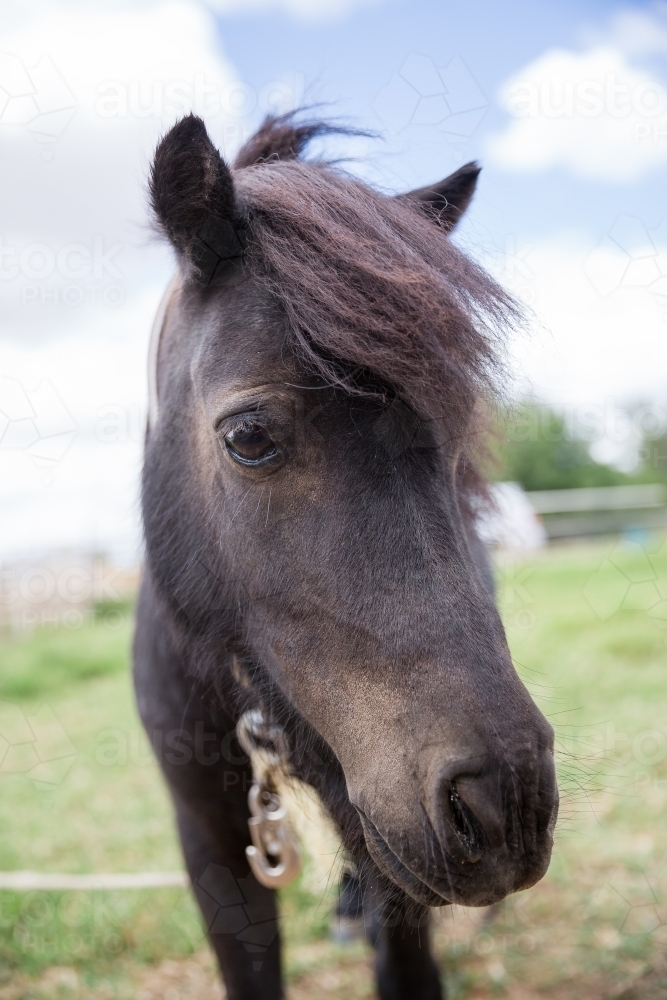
column 447, row 200
column 193, row 199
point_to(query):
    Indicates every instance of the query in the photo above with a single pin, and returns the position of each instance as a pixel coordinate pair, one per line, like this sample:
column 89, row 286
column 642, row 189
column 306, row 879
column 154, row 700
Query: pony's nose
column 467, row 811
column 471, row 822
column 478, row 807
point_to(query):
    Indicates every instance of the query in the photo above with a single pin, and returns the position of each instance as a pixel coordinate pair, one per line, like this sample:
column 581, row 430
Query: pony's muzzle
column 481, row 828
column 479, row 807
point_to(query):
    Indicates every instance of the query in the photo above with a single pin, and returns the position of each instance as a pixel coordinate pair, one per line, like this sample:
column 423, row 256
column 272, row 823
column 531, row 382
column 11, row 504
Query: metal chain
column 274, row 857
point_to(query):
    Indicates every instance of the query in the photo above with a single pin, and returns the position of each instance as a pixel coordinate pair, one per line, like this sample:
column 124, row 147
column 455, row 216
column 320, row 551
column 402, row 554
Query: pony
column 310, row 490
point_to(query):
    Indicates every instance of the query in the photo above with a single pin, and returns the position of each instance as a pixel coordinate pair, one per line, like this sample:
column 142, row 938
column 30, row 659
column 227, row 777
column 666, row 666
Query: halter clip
column 274, row 857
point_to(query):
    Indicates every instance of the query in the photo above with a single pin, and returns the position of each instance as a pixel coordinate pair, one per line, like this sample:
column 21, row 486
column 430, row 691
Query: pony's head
column 309, row 491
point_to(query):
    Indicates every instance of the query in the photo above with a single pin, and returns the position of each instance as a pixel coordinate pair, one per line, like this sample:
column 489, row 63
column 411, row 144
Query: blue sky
column 570, row 212
column 346, row 60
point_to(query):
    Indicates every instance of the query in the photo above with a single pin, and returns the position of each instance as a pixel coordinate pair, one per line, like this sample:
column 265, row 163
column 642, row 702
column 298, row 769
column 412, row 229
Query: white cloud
column 84, row 495
column 640, row 32
column 599, row 335
column 307, row 10
column 85, row 92
column 592, row 113
column 75, row 191
column 131, row 73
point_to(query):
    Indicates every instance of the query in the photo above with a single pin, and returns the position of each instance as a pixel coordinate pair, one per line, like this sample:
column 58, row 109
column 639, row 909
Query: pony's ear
column 447, row 200
column 193, row 199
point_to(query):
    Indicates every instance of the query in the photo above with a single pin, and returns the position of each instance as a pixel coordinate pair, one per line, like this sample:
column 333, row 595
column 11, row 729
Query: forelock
column 368, row 283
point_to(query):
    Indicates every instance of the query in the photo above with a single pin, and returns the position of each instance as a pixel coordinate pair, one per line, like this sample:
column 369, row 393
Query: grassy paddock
column 80, row 793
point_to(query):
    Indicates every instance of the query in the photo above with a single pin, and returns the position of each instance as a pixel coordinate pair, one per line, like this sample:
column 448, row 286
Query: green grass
column 49, row 659
column 588, row 632
column 588, row 629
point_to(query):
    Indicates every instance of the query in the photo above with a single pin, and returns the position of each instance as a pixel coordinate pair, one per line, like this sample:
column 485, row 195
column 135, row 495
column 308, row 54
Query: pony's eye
column 250, row 444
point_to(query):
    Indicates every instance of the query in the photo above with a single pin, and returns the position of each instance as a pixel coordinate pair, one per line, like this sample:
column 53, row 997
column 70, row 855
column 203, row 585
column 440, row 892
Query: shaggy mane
column 372, row 288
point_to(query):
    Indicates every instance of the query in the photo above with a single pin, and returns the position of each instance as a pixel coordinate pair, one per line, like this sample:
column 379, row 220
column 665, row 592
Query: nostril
column 468, row 827
column 465, row 806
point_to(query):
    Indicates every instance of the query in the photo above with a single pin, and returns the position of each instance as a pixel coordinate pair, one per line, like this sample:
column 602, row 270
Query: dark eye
column 250, row 444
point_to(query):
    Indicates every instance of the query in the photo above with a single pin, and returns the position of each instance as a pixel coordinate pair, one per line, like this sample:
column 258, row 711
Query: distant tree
column 538, row 449
column 653, row 460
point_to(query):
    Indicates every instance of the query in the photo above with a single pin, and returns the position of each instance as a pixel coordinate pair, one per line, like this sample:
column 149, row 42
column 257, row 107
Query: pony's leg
column 209, row 778
column 404, row 965
column 239, row 913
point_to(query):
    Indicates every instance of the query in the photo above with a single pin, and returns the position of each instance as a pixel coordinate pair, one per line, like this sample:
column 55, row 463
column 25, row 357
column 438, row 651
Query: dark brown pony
column 308, row 495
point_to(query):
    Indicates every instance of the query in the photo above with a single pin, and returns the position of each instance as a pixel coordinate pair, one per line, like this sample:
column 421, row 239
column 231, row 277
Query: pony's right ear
column 447, row 200
column 193, row 199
